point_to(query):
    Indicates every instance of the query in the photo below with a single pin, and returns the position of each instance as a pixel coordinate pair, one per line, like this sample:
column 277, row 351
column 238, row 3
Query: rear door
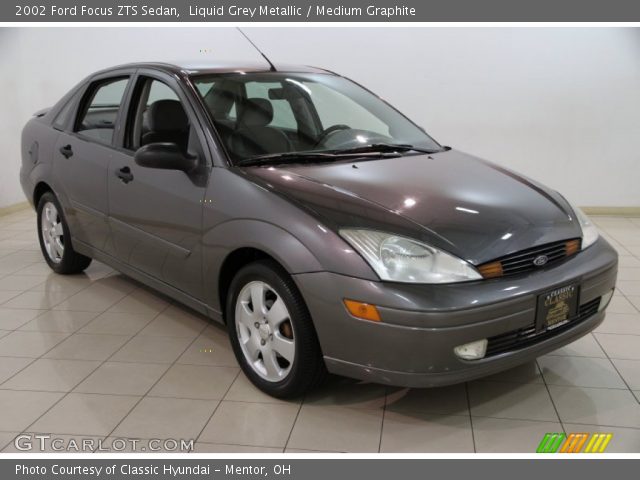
column 156, row 213
column 82, row 155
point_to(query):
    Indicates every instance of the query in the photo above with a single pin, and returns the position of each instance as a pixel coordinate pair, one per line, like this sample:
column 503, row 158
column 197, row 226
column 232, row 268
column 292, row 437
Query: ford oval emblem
column 540, row 260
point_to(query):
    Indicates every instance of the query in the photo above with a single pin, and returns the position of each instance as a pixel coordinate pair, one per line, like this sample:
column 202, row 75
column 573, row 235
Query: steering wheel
column 328, row 131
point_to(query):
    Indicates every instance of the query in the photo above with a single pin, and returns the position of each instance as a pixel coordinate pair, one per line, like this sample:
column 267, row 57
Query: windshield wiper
column 306, row 157
column 384, row 147
column 272, row 158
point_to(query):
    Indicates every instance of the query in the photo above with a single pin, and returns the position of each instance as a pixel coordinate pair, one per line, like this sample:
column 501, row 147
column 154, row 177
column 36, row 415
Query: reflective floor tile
column 596, row 406
column 29, row 344
column 422, row 432
column 19, row 409
column 441, row 400
column 115, row 323
column 253, row 424
column 242, row 390
column 501, row 435
column 630, row 372
column 59, row 321
column 580, row 372
column 117, row 378
column 19, row 282
column 621, row 323
column 141, row 301
column 14, row 318
column 9, row 366
column 51, row 375
column 333, row 428
column 583, row 347
column 195, row 381
column 511, row 400
column 166, row 418
column 212, row 347
column 80, row 346
column 620, row 346
column 345, row 392
column 176, row 322
column 85, row 414
column 152, row 349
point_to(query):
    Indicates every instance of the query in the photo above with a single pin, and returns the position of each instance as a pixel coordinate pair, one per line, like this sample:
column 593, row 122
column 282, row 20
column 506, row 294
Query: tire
column 55, row 239
column 261, row 338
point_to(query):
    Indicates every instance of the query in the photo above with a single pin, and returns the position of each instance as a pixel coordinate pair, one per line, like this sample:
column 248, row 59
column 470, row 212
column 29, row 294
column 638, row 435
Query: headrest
column 219, row 102
column 256, row 112
column 167, row 116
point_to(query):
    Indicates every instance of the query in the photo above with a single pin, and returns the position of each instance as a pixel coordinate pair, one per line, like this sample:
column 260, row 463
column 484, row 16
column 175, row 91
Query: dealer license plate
column 557, row 307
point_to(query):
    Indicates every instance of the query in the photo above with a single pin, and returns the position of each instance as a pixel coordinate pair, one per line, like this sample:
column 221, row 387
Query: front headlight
column 589, row 231
column 401, row 259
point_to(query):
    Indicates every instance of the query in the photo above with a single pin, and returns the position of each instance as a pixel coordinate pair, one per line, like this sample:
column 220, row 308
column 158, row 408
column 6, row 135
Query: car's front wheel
column 54, row 237
column 272, row 333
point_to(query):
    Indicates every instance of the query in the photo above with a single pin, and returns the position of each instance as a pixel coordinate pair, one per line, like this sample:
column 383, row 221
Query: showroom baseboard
column 16, row 207
column 613, row 211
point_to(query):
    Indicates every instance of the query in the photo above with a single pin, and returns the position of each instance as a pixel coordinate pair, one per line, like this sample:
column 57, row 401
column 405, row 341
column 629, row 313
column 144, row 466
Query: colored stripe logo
column 574, row 443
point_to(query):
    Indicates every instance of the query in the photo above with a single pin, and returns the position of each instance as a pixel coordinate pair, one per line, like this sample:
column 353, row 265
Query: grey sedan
column 327, row 231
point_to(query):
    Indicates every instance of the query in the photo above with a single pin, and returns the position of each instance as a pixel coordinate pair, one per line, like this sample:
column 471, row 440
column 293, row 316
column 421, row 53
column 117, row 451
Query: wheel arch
column 233, row 263
column 234, row 244
column 40, row 189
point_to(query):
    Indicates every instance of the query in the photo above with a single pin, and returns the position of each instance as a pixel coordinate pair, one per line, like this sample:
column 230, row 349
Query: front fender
column 225, row 238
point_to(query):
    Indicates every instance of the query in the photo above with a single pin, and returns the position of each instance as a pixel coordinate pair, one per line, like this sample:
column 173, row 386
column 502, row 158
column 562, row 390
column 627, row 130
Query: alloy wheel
column 52, row 232
column 265, row 331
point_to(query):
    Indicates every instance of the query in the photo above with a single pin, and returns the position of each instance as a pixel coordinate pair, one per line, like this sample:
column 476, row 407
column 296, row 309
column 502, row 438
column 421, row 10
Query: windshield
column 281, row 115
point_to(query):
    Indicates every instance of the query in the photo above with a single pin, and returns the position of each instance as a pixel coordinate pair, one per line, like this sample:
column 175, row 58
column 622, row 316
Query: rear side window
column 97, row 119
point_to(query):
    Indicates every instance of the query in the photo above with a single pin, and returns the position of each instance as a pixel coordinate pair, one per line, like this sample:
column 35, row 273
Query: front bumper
column 422, row 324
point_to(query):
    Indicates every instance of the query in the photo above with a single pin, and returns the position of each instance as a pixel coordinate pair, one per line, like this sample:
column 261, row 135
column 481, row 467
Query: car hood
column 454, row 201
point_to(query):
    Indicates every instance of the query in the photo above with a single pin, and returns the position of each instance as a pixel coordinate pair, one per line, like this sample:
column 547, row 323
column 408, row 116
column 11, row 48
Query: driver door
column 156, row 213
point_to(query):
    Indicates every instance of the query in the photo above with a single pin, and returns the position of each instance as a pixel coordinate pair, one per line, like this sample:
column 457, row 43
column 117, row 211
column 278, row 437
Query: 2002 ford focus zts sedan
column 324, row 228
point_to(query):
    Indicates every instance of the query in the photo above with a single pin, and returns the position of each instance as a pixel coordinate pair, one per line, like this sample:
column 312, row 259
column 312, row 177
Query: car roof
column 197, row 67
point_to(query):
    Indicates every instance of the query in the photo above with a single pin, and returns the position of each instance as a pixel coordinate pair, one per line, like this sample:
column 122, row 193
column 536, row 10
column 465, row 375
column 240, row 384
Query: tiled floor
column 98, row 356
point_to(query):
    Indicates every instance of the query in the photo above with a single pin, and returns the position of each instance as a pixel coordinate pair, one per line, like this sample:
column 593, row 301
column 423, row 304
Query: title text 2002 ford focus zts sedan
column 327, row 231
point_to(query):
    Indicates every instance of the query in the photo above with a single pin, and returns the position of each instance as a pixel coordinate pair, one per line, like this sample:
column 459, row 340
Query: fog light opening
column 604, row 300
column 472, row 351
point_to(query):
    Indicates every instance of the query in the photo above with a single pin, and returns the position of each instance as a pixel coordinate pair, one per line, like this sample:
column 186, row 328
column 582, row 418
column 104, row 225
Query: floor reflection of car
column 328, row 231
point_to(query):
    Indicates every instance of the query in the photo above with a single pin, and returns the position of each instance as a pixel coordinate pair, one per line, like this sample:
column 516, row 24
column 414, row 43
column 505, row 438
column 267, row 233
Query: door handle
column 125, row 174
column 66, row 151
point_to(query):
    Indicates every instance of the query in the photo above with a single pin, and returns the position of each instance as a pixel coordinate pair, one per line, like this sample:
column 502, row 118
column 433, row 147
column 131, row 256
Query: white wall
column 558, row 104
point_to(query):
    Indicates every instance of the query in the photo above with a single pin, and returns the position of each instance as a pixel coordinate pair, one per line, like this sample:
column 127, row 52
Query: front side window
column 97, row 119
column 158, row 116
column 274, row 113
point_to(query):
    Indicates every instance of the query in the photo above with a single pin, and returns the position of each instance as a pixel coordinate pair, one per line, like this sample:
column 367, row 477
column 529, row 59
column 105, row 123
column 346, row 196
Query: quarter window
column 98, row 118
column 64, row 115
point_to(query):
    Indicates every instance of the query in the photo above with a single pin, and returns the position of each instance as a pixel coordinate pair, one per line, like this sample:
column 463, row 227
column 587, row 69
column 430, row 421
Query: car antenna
column 272, row 67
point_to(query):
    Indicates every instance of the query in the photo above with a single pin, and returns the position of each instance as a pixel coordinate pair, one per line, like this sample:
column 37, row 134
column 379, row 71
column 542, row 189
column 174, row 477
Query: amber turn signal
column 362, row 310
column 572, row 247
column 491, row 270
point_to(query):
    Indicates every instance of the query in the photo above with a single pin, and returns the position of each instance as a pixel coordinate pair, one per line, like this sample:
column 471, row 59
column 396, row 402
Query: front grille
column 527, row 260
column 528, row 336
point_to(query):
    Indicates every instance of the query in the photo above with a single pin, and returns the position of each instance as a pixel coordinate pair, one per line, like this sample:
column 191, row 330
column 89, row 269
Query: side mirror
column 167, row 156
